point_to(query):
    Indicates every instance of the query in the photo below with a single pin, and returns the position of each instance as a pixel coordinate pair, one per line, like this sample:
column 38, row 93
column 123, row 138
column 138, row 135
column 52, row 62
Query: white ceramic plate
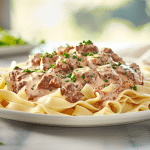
column 75, row 121
column 8, row 50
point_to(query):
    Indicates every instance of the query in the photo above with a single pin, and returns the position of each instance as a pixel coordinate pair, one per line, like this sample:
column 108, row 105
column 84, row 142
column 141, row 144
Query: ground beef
column 48, row 82
column 84, row 49
column 18, row 86
column 71, row 92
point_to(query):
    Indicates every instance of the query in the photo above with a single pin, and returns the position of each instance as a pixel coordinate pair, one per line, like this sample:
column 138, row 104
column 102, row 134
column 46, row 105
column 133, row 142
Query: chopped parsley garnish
column 34, row 85
column 91, row 76
column 27, row 70
column 83, row 76
column 89, row 54
column 115, row 65
column 79, row 66
column 135, row 70
column 107, row 63
column 79, row 59
column 53, row 53
column 35, row 70
column 99, row 64
column 125, row 73
column 104, row 86
column 57, row 75
column 50, row 89
column 66, row 55
column 69, row 75
column 108, row 77
column 73, row 79
column 41, row 56
column 79, row 89
column 86, row 42
column 105, row 80
column 52, row 66
column 119, row 64
column 5, row 83
column 67, row 81
column 74, row 57
column 134, row 87
column 63, row 77
column 32, row 88
column 74, row 52
column 64, row 62
column 49, row 55
column 16, row 67
column 43, row 71
column 39, row 75
column 94, row 52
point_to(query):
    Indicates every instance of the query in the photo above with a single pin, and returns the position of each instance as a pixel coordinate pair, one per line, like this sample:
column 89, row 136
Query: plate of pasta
column 75, row 86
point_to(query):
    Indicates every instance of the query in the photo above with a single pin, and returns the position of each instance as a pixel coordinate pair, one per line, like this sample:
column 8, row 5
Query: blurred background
column 78, row 20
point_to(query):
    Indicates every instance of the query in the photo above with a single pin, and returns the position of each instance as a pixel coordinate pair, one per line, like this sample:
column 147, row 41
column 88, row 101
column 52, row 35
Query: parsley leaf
column 64, row 62
column 69, row 75
column 79, row 59
column 43, row 71
column 134, row 87
column 79, row 66
column 83, row 76
column 119, row 64
column 94, row 52
column 74, row 57
column 27, row 70
column 105, row 80
column 16, row 67
column 52, row 66
column 86, row 42
column 73, row 79
column 66, row 55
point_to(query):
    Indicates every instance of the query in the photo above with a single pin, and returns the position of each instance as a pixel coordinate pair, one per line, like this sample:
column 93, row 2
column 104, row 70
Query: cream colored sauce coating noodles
column 77, row 81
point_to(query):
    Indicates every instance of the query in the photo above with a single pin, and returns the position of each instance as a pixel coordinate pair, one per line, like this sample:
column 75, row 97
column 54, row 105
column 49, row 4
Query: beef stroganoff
column 78, row 81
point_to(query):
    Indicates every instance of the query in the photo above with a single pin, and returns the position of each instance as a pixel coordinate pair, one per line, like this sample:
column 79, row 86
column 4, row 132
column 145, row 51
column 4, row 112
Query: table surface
column 25, row 136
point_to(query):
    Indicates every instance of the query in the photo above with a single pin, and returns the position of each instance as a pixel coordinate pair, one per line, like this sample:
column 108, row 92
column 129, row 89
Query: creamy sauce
column 70, row 68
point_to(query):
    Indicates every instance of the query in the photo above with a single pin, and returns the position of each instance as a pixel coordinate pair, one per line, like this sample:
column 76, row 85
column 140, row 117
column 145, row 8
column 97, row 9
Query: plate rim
column 75, row 121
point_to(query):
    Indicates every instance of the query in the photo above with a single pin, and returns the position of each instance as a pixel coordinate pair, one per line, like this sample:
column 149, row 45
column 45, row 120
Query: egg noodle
column 55, row 104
